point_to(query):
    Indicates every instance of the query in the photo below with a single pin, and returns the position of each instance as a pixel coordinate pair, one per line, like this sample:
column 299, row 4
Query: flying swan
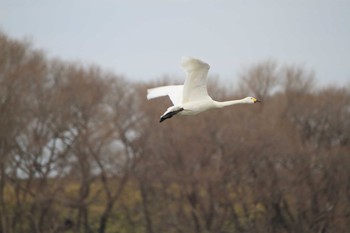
column 192, row 97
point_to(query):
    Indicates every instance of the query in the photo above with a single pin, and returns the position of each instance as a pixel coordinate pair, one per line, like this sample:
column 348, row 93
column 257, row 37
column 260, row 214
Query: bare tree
column 81, row 150
column 260, row 80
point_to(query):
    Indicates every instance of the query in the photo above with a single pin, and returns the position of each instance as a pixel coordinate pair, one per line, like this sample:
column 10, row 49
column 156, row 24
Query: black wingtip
column 169, row 115
column 163, row 118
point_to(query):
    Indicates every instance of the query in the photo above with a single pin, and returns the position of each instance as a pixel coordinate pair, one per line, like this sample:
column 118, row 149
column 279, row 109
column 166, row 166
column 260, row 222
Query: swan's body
column 192, row 97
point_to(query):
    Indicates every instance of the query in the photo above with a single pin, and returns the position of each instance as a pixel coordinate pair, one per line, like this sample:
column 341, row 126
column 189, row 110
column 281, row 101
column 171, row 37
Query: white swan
column 192, row 97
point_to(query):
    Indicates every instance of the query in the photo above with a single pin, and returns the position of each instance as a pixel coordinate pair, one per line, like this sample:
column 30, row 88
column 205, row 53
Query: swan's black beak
column 257, row 101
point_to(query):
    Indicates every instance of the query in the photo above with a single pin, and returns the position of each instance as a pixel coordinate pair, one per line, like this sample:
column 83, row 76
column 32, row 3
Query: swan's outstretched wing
column 174, row 92
column 195, row 87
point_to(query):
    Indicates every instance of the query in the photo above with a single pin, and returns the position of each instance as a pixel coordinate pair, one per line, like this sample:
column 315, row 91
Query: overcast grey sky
column 144, row 40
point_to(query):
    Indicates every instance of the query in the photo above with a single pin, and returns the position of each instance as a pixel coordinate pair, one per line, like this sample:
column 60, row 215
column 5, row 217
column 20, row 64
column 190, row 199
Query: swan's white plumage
column 192, row 97
column 195, row 87
column 174, row 92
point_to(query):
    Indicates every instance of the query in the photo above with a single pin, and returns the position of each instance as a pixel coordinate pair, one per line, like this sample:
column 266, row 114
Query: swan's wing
column 195, row 87
column 174, row 93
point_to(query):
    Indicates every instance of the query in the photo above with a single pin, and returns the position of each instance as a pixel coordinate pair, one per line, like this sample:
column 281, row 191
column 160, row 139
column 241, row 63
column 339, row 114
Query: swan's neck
column 229, row 103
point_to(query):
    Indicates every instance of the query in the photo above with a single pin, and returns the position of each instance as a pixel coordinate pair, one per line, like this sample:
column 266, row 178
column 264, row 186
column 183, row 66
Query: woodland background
column 81, row 150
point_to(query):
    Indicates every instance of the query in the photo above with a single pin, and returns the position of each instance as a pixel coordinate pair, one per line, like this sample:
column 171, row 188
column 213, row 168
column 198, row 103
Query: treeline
column 81, row 150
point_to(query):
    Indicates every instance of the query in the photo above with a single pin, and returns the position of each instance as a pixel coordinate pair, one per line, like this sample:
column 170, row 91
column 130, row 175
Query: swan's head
column 252, row 100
